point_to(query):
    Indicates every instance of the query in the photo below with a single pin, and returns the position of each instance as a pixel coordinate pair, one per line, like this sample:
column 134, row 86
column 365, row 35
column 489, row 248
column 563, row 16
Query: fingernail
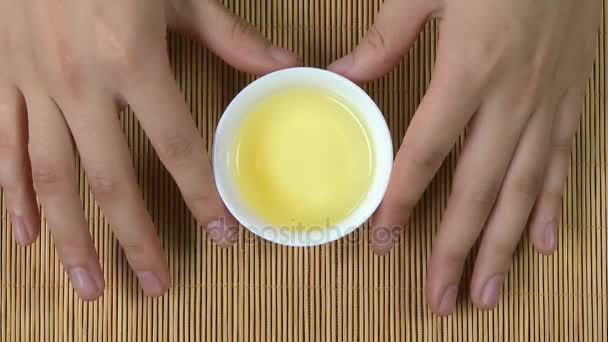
column 20, row 231
column 383, row 239
column 83, row 282
column 224, row 235
column 491, row 291
column 282, row 56
column 342, row 65
column 448, row 301
column 550, row 231
column 150, row 283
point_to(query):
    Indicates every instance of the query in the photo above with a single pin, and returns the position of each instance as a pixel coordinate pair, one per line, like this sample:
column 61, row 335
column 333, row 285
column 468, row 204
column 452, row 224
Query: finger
column 107, row 162
column 56, row 183
column 168, row 123
column 545, row 218
column 15, row 171
column 482, row 166
column 506, row 224
column 397, row 25
column 230, row 37
column 441, row 117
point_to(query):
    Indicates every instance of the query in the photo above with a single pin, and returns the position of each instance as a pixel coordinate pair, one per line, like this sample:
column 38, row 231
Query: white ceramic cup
column 247, row 99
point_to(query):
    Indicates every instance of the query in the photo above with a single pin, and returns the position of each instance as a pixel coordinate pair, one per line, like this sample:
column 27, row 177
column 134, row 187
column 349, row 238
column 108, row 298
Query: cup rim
column 383, row 153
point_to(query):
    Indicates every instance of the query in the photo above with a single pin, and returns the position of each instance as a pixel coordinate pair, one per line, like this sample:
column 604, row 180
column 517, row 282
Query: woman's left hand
column 515, row 71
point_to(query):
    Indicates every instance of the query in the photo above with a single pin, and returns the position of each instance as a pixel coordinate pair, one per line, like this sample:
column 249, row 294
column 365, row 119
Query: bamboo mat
column 257, row 291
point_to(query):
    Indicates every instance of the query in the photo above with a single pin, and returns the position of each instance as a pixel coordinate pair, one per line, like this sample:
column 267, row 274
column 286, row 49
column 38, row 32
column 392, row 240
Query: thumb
column 229, row 37
column 397, row 25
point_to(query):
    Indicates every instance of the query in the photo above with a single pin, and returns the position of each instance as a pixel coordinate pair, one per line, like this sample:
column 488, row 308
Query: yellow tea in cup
column 303, row 159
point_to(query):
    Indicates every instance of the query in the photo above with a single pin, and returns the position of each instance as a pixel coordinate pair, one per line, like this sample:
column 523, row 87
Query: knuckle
column 528, row 186
column 484, row 196
column 376, row 40
column 69, row 71
column 479, row 61
column 103, row 186
column 204, row 206
column 426, row 158
column 482, row 50
column 65, row 244
column 453, row 247
column 240, row 28
column 405, row 204
column 135, row 248
column 453, row 256
column 503, row 246
column 123, row 57
column 8, row 142
column 140, row 249
column 10, row 46
column 176, row 149
column 531, row 81
column 399, row 202
column 201, row 199
column 119, row 49
column 480, row 196
column 6, row 108
column 46, row 176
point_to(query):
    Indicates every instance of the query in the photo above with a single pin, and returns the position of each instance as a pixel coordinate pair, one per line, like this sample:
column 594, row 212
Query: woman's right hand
column 66, row 69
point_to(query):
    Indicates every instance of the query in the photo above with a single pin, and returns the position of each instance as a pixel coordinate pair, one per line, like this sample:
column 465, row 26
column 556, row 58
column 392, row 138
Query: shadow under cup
column 257, row 91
